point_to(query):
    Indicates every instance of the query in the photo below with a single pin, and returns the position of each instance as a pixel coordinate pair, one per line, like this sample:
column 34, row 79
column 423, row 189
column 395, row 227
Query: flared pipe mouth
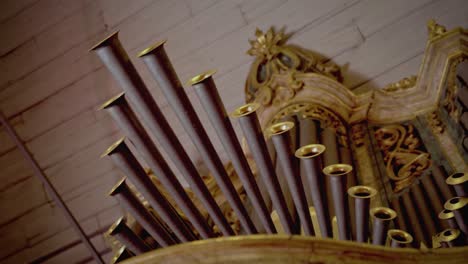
column 446, row 214
column 245, row 110
column 106, row 41
column 200, row 77
column 457, row 178
column 449, row 235
column 383, row 213
column 456, row 203
column 310, row 151
column 361, row 191
column 113, row 147
column 337, row 169
column 400, row 236
column 117, row 187
column 280, row 128
column 119, row 255
column 116, row 226
column 113, row 101
column 151, row 48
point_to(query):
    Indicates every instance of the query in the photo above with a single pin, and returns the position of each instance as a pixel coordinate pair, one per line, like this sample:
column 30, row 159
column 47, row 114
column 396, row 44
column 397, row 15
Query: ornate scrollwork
column 449, row 101
column 435, row 123
column 435, row 29
column 358, row 133
column 404, row 154
column 402, row 84
column 273, row 56
column 314, row 111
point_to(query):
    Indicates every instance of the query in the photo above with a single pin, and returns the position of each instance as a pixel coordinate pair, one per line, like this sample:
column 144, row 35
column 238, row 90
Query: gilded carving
column 449, row 101
column 437, row 126
column 358, row 132
column 273, row 56
column 402, row 84
column 404, row 154
column 314, row 111
column 435, row 30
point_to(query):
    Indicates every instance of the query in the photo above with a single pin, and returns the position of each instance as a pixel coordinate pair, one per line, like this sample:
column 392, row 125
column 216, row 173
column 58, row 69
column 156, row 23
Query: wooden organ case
column 323, row 175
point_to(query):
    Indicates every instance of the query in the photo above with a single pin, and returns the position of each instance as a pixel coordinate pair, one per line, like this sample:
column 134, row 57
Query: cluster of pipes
column 168, row 227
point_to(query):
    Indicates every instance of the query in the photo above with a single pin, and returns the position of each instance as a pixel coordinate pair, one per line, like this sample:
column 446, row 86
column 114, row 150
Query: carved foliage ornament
column 404, row 155
column 273, row 56
column 449, row 101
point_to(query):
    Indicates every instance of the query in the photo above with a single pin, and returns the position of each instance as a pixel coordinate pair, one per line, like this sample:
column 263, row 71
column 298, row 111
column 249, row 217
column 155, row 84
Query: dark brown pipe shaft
column 337, row 176
column 382, row 217
column 459, row 181
column 346, row 158
column 328, row 138
column 400, row 219
column 160, row 67
column 131, row 204
column 281, row 138
column 440, row 176
column 116, row 60
column 448, row 217
column 413, row 217
column 253, row 134
column 424, row 212
column 127, row 120
column 434, row 198
column 127, row 237
column 121, row 255
column 451, row 238
column 399, row 238
column 307, row 135
column 361, row 196
column 459, row 207
column 123, row 158
column 311, row 162
column 214, row 107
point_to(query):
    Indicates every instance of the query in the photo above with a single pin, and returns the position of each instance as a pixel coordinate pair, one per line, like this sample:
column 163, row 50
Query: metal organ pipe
column 381, row 219
column 281, row 138
column 127, row 237
column 399, row 238
column 127, row 120
column 214, row 107
column 114, row 57
column 459, row 181
column 361, row 196
column 160, row 67
column 250, row 125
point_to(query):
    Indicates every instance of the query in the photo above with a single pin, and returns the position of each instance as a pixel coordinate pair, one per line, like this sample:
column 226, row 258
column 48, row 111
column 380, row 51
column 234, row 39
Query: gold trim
column 337, row 169
column 280, row 128
column 151, row 48
column 116, row 225
column 449, row 234
column 245, row 110
column 310, row 151
column 105, row 40
column 399, row 235
column 457, row 178
column 362, row 191
column 200, row 77
column 117, row 186
column 112, row 147
column 456, row 203
column 111, row 101
column 374, row 212
column 446, row 214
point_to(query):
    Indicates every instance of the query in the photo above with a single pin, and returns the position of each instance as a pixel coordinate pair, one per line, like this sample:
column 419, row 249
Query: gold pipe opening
column 310, row 151
column 117, row 186
column 151, row 48
column 115, row 226
column 448, row 235
column 200, row 77
column 112, row 101
column 337, row 169
column 446, row 214
column 105, row 41
column 280, row 128
column 245, row 110
column 457, row 178
column 362, row 191
column 113, row 147
column 456, row 203
column 383, row 213
column 400, row 236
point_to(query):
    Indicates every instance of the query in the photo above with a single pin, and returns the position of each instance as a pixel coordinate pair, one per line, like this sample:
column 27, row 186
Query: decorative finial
column 435, row 29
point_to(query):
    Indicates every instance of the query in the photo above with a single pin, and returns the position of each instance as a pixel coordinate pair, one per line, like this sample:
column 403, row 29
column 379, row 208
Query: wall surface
column 50, row 87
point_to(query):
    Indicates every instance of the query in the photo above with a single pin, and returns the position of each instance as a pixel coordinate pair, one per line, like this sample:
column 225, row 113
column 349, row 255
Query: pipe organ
column 319, row 168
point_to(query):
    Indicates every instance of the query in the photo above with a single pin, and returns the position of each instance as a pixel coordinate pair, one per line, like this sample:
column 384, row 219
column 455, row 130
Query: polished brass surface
column 310, row 151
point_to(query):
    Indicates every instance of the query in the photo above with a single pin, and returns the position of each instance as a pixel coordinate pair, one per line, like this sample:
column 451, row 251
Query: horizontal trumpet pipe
column 127, row 237
column 127, row 120
column 337, row 175
column 121, row 255
column 399, row 238
column 458, row 205
column 114, row 57
column 123, row 158
column 281, row 139
column 448, row 217
column 451, row 238
column 459, row 181
column 207, row 92
column 310, row 156
column 361, row 196
column 161, row 69
column 131, row 204
column 251, row 128
column 381, row 219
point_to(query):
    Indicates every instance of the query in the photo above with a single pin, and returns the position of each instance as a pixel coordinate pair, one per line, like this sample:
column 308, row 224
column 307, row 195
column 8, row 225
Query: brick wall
column 50, row 87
